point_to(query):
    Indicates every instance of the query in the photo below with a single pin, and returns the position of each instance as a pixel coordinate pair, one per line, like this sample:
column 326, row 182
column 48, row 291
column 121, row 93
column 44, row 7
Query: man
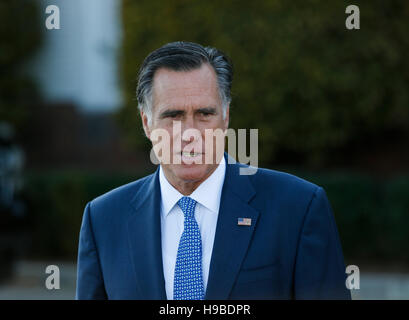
column 199, row 229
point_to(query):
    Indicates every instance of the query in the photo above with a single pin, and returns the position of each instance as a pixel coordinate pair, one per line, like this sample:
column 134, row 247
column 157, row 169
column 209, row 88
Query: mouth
column 190, row 154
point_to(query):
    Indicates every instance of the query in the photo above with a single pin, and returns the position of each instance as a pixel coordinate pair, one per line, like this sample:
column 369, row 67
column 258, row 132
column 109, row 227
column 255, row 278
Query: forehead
column 196, row 87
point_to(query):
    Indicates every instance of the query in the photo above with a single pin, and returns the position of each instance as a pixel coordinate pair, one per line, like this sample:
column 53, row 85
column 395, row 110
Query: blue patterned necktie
column 188, row 281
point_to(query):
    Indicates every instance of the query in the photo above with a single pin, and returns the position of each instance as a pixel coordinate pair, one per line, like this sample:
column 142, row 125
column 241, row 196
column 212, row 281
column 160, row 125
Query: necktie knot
column 187, row 205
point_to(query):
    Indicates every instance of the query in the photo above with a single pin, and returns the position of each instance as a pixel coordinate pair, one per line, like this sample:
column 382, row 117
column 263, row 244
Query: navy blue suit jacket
column 291, row 250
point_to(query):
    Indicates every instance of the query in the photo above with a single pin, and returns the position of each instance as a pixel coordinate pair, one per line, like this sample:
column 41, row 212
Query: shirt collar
column 208, row 193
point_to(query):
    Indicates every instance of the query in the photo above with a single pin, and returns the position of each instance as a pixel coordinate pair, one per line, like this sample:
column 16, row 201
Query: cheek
column 215, row 123
column 161, row 135
column 214, row 142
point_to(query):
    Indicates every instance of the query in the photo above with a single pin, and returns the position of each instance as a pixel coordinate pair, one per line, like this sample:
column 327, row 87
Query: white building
column 79, row 62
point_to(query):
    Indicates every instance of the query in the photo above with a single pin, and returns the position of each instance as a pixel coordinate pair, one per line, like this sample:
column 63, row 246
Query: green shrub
column 56, row 203
column 396, row 220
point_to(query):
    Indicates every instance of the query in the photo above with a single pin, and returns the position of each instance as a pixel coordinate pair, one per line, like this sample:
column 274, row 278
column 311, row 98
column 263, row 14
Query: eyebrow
column 210, row 110
column 175, row 112
column 169, row 113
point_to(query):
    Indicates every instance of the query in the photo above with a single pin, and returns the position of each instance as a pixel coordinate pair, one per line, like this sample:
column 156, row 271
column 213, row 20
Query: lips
column 190, row 154
column 191, row 158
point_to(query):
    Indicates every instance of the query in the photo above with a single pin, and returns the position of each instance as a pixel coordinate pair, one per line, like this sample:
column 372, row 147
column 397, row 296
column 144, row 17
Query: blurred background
column 331, row 106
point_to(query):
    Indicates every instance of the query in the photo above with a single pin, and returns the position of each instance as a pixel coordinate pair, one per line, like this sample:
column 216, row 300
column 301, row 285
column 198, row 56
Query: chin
column 193, row 172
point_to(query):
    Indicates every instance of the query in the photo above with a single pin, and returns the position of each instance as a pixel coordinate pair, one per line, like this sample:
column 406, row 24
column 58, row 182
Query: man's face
column 191, row 100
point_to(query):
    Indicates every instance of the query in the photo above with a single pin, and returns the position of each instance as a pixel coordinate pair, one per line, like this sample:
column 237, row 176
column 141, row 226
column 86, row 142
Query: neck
column 186, row 187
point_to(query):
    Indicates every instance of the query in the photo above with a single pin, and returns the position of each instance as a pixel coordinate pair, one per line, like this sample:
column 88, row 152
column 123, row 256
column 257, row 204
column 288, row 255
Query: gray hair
column 183, row 56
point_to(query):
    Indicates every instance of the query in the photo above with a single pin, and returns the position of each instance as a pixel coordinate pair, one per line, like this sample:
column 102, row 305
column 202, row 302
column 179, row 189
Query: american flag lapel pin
column 244, row 221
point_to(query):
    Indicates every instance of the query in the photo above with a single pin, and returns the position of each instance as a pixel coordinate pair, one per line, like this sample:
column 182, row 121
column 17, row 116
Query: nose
column 187, row 124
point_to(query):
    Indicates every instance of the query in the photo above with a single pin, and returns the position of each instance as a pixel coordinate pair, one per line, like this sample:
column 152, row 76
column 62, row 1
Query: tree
column 20, row 37
column 309, row 84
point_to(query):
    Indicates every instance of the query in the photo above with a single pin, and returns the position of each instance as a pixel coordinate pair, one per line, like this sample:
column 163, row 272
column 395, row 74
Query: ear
column 226, row 120
column 145, row 125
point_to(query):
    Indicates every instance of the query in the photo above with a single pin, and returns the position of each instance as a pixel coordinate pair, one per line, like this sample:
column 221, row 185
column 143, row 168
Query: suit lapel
column 144, row 234
column 231, row 240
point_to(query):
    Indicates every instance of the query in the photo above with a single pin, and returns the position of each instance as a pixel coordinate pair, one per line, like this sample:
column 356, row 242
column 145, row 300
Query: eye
column 205, row 114
column 173, row 115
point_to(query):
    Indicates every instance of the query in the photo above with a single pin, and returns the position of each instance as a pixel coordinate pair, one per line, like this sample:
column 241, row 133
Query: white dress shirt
column 207, row 196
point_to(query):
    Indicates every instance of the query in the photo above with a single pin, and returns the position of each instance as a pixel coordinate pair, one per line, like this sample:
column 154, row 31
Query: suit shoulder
column 282, row 180
column 118, row 196
column 283, row 193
